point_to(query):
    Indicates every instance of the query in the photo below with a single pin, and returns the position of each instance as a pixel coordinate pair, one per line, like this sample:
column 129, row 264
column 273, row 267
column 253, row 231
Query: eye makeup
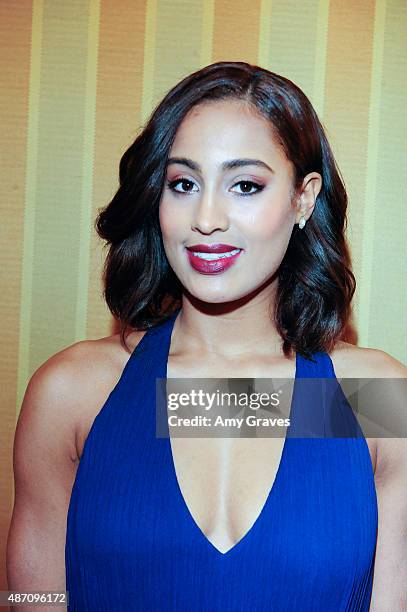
column 252, row 184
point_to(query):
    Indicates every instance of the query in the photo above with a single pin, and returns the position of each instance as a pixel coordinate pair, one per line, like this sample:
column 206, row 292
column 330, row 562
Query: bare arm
column 390, row 574
column 45, row 463
column 389, row 592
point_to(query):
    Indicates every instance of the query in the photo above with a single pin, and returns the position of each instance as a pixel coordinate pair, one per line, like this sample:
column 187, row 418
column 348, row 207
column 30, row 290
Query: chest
column 226, row 482
column 129, row 526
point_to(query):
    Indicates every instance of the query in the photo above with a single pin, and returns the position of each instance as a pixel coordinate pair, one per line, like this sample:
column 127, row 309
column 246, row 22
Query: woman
column 233, row 160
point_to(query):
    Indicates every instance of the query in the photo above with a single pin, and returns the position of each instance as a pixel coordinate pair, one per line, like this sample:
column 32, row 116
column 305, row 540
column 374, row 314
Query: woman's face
column 206, row 200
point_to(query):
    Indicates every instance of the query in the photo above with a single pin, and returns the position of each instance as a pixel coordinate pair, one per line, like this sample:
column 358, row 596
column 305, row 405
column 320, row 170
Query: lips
column 212, row 259
column 212, row 248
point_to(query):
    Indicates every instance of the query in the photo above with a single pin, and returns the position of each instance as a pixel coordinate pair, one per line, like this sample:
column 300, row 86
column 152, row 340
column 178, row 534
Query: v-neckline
column 257, row 522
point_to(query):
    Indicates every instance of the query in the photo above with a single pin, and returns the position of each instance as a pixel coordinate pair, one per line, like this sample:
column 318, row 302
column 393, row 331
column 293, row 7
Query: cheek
column 268, row 223
column 169, row 220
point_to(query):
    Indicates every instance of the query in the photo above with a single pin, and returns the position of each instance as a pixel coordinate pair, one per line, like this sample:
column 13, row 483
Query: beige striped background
column 78, row 78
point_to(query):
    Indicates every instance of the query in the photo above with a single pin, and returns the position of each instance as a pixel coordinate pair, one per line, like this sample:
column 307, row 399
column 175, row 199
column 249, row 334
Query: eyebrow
column 226, row 165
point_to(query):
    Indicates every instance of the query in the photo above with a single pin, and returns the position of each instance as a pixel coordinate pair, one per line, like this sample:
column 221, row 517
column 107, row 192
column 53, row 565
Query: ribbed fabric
column 132, row 544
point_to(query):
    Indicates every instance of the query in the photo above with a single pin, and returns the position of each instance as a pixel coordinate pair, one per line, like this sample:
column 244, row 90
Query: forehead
column 226, row 128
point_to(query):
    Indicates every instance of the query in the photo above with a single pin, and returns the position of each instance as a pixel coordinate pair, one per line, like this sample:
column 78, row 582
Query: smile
column 214, row 256
column 212, row 263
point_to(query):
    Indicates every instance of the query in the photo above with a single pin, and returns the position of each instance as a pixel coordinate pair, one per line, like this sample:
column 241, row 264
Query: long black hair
column 315, row 282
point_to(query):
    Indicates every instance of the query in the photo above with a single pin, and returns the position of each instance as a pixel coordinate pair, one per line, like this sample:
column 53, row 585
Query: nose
column 209, row 214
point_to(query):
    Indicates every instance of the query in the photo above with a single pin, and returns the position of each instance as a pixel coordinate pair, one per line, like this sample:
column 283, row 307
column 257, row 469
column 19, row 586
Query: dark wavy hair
column 315, row 284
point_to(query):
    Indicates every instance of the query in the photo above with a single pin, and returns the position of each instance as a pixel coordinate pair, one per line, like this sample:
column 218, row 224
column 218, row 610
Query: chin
column 211, row 295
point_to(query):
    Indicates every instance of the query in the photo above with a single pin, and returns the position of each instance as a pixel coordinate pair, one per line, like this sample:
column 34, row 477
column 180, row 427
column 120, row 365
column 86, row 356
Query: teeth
column 212, row 256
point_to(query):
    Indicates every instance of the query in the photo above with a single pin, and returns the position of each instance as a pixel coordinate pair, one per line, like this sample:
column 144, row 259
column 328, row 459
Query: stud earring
column 301, row 222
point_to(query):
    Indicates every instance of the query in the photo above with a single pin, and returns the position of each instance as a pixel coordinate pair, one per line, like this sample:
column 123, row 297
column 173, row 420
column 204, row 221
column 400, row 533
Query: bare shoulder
column 76, row 381
column 44, row 448
column 101, row 363
column 51, row 397
column 352, row 361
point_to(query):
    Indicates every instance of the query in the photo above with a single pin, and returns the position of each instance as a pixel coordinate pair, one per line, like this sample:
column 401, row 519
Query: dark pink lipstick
column 212, row 258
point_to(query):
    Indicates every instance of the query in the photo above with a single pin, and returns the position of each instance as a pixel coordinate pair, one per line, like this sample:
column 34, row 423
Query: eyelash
column 171, row 185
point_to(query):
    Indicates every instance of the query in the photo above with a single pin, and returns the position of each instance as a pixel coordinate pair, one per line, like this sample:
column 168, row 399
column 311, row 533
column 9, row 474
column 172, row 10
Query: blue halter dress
column 132, row 544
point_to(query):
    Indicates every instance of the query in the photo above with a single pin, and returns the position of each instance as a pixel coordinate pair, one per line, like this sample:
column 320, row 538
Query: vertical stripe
column 388, row 287
column 149, row 54
column 346, row 114
column 208, row 9
column 235, row 34
column 119, row 99
column 60, row 165
column 318, row 97
column 269, row 42
column 178, row 34
column 15, row 45
column 86, row 218
column 289, row 41
column 264, row 33
column 370, row 203
column 24, row 371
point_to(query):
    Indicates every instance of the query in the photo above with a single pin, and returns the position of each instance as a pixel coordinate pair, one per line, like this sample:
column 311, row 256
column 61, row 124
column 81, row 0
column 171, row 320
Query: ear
column 305, row 200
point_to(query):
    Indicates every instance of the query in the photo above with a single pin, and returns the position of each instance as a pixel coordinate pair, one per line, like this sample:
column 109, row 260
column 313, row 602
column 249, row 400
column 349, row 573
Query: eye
column 249, row 184
column 184, row 181
column 186, row 184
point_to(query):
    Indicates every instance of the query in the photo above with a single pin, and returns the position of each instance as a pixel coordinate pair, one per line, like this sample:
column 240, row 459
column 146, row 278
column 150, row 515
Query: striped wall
column 78, row 79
